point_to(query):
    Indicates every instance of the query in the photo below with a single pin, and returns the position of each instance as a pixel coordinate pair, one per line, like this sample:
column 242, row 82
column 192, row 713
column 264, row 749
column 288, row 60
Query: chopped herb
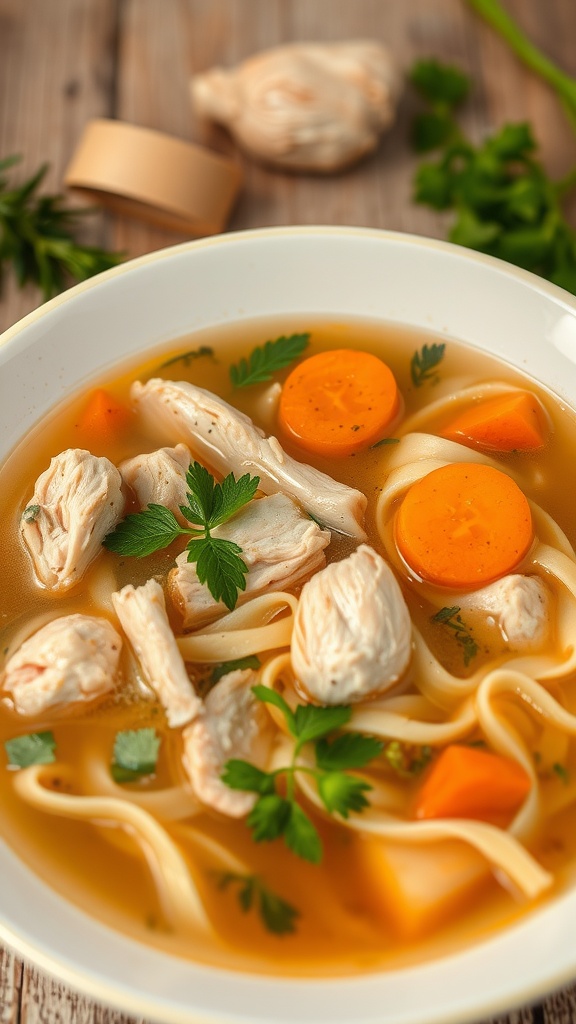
column 275, row 815
column 29, row 514
column 135, row 754
column 188, row 357
column 266, row 359
column 34, row 748
column 385, row 440
column 450, row 617
column 35, row 237
column 423, row 364
column 218, row 562
column 561, row 772
column 407, row 759
column 250, row 661
column 277, row 915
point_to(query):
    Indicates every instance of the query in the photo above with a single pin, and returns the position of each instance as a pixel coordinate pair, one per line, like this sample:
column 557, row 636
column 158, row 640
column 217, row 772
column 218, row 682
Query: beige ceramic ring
column 153, row 176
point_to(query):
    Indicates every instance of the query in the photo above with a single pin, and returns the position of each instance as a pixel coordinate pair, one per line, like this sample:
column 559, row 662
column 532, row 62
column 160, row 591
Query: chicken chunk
column 279, row 545
column 76, row 502
column 142, row 614
column 73, row 658
column 520, row 605
column 159, row 478
column 227, row 440
column 352, row 630
column 234, row 725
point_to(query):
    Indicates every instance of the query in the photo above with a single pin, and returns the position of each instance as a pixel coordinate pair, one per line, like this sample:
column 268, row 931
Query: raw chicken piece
column 234, row 725
column 159, row 478
column 73, row 658
column 520, row 606
column 227, row 440
column 352, row 630
column 76, row 502
column 279, row 545
column 142, row 614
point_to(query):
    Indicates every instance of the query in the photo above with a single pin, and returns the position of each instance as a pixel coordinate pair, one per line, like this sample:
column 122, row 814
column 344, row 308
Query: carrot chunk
column 512, row 422
column 103, row 417
column 469, row 783
column 463, row 525
column 338, row 403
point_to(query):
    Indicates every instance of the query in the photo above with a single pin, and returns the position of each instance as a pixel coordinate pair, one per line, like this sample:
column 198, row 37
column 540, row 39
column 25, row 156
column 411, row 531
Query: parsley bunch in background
column 36, row 239
column 504, row 202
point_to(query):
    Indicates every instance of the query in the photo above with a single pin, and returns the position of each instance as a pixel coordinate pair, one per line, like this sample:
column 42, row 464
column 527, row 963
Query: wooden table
column 65, row 61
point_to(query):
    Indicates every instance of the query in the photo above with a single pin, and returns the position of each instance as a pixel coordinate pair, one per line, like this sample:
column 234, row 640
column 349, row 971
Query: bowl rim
column 129, row 1000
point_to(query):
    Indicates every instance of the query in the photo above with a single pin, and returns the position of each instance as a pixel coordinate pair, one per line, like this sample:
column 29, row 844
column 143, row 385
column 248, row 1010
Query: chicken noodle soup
column 288, row 647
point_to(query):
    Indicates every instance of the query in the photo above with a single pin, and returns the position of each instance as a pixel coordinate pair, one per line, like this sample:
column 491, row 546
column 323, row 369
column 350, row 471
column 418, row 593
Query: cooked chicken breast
column 76, row 502
column 73, row 658
column 142, row 614
column 159, row 478
column 234, row 725
column 228, row 441
column 352, row 630
column 280, row 546
column 520, row 606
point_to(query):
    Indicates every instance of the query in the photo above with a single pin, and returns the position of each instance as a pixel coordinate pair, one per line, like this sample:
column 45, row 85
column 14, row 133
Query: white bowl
column 338, row 272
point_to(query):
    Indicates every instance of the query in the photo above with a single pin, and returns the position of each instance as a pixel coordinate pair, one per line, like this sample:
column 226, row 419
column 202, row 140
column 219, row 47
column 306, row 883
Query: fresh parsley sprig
column 36, row 240
column 32, row 748
column 218, row 561
column 278, row 814
column 278, row 916
column 135, row 754
column 451, row 618
column 266, row 359
column 423, row 365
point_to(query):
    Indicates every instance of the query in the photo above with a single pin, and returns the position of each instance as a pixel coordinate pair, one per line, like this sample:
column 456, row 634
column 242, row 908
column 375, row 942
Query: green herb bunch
column 277, row 813
column 503, row 200
column 36, row 239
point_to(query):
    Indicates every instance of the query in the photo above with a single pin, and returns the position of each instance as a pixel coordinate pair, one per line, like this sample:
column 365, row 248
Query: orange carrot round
column 469, row 783
column 340, row 402
column 511, row 422
column 463, row 525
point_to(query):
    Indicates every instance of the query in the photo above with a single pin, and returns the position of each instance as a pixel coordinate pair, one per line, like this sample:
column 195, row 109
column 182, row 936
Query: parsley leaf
column 451, row 618
column 135, row 754
column 33, row 748
column 188, row 357
column 210, row 504
column 407, row 759
column 266, row 359
column 30, row 513
column 440, row 83
column 423, row 364
column 250, row 661
column 385, row 440
column 278, row 814
column 278, row 916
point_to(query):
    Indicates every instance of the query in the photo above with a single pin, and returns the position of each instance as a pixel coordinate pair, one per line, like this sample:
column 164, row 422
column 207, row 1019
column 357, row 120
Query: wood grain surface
column 65, row 61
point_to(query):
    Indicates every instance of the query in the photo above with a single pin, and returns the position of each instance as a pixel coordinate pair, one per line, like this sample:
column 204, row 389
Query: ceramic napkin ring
column 155, row 177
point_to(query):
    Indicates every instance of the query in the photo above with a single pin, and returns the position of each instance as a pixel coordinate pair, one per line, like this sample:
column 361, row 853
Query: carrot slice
column 340, row 402
column 463, row 525
column 469, row 783
column 512, row 422
column 103, row 417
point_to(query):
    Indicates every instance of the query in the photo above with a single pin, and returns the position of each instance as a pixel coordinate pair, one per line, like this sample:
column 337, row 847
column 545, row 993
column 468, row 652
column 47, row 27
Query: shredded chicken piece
column 142, row 614
column 234, row 725
column 227, row 440
column 280, row 547
column 76, row 502
column 73, row 658
column 520, row 605
column 352, row 630
column 159, row 478
column 306, row 106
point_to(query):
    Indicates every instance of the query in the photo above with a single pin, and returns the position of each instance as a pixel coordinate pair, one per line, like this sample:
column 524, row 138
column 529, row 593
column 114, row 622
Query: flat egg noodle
column 249, row 629
column 178, row 894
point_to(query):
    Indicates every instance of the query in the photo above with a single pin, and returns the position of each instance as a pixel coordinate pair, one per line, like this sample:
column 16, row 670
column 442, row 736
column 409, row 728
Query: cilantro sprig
column 218, row 561
column 278, row 916
column 278, row 814
column 451, row 618
column 135, row 754
column 266, row 359
column 32, row 748
column 503, row 201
